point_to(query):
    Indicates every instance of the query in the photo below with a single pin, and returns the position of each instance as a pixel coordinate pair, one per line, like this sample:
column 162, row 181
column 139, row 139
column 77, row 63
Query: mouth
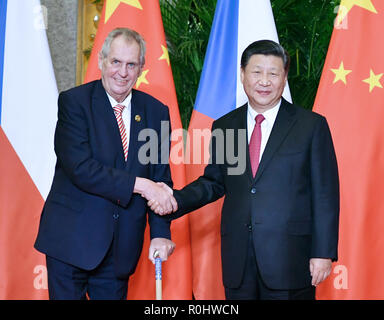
column 121, row 82
column 263, row 93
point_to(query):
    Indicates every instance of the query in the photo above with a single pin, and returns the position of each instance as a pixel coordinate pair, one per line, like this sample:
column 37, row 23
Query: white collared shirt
column 266, row 126
column 126, row 115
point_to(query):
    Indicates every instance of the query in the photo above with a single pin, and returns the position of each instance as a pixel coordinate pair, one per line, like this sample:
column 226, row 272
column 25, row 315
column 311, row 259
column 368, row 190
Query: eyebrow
column 261, row 67
column 130, row 61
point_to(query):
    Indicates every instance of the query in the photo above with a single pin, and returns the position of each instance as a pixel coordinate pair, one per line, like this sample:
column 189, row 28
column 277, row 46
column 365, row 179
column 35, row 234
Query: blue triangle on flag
column 216, row 95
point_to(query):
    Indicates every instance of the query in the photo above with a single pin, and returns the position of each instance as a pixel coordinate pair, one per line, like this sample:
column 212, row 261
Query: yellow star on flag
column 374, row 80
column 112, row 5
column 142, row 79
column 341, row 73
column 165, row 55
column 347, row 5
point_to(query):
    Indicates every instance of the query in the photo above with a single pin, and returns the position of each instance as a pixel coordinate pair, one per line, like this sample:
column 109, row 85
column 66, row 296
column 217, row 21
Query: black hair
column 265, row 47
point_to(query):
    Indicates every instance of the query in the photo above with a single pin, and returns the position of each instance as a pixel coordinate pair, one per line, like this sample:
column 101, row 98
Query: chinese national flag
column 144, row 16
column 351, row 96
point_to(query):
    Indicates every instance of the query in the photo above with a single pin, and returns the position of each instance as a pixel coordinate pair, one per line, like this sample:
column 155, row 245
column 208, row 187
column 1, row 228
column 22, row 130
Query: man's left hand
column 320, row 269
column 164, row 246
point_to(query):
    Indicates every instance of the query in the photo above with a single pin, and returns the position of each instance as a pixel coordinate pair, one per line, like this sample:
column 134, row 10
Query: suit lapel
column 138, row 122
column 243, row 124
column 283, row 123
column 104, row 109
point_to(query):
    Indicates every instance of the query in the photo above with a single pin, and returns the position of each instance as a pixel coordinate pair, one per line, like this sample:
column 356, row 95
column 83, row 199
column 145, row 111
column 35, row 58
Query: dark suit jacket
column 91, row 200
column 291, row 206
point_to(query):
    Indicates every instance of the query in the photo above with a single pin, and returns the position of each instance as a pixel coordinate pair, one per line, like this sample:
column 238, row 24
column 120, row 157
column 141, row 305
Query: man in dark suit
column 93, row 221
column 279, row 223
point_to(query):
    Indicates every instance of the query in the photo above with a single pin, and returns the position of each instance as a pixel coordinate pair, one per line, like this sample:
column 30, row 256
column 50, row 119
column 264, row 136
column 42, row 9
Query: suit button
column 115, row 216
column 253, row 190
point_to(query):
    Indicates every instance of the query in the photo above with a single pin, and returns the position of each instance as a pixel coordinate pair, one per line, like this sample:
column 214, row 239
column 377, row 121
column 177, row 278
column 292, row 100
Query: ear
column 242, row 75
column 140, row 70
column 100, row 60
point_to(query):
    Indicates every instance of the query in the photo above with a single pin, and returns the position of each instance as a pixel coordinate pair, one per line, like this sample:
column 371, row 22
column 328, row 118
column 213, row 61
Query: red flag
column 144, row 17
column 351, row 96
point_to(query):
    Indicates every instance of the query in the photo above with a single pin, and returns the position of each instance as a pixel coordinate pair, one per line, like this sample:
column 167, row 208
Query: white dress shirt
column 126, row 114
column 266, row 125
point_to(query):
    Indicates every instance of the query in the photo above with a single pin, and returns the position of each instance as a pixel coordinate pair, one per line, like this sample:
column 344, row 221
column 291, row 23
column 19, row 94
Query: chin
column 262, row 102
column 120, row 91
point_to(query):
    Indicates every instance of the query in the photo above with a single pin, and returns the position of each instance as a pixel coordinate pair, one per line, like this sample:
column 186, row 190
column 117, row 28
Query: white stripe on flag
column 256, row 22
column 29, row 103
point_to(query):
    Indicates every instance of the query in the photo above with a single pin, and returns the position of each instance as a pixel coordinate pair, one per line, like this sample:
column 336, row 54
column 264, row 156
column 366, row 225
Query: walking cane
column 159, row 289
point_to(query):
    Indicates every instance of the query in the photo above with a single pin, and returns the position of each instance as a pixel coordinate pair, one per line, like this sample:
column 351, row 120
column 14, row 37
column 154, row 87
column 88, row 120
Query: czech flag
column 28, row 108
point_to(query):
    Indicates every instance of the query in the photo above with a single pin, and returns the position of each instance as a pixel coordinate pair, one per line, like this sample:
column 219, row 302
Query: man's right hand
column 156, row 206
column 159, row 195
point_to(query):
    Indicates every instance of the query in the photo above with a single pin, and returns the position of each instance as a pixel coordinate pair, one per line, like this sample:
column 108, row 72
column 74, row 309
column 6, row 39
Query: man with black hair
column 279, row 223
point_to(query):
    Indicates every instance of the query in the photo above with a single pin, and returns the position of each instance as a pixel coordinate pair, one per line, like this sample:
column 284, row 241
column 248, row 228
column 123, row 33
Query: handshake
column 159, row 195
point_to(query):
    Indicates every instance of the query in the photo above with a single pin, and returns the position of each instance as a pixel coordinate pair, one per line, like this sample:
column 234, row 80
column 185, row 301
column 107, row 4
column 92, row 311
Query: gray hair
column 128, row 35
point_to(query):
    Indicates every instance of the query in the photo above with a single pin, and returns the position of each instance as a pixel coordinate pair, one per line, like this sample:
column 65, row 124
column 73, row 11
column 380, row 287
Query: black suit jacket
column 91, row 200
column 291, row 206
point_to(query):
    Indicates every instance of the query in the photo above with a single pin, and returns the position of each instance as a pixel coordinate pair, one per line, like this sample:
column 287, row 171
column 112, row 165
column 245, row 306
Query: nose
column 264, row 80
column 123, row 71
